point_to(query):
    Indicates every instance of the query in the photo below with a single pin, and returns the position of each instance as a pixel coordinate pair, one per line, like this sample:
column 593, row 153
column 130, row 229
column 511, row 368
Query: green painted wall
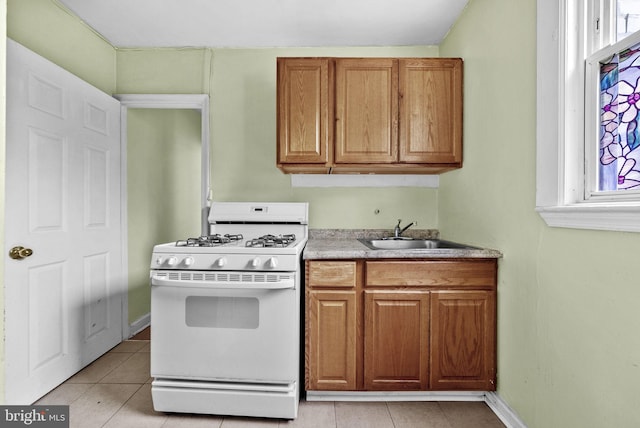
column 163, row 190
column 50, row 30
column 568, row 323
column 163, row 71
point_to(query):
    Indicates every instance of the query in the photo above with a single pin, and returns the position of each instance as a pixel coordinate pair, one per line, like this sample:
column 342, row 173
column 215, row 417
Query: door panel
column 463, row 340
column 64, row 301
column 331, row 343
column 304, row 110
column 366, row 110
column 97, row 292
column 430, row 110
column 96, row 187
column 396, row 333
column 47, row 316
column 47, row 155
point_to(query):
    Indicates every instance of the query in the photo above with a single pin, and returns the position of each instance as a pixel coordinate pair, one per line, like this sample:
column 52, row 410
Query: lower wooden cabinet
column 368, row 328
column 463, row 330
column 331, row 356
column 396, row 340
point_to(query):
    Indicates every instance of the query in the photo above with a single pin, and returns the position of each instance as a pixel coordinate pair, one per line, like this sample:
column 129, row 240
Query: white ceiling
column 268, row 23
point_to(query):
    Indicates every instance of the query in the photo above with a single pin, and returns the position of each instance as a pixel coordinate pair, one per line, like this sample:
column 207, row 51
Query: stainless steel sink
column 413, row 244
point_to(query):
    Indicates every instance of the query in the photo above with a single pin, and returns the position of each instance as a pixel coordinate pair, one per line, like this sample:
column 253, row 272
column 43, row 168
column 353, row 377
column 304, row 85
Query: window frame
column 562, row 171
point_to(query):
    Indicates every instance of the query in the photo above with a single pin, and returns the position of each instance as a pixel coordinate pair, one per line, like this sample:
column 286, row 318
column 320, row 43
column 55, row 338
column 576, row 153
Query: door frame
column 198, row 102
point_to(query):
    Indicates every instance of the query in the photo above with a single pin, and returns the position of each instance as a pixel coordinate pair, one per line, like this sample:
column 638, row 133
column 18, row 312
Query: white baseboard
column 140, row 324
column 503, row 411
column 395, row 396
column 493, row 400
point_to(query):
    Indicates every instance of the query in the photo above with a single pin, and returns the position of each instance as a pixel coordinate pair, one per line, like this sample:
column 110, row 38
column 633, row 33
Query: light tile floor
column 115, row 392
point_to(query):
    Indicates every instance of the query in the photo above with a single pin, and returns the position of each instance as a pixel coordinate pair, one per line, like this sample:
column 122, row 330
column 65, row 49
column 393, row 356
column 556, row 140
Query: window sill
column 621, row 218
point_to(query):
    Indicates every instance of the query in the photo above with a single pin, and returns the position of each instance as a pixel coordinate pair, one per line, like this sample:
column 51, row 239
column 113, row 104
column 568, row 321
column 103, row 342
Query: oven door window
column 222, row 312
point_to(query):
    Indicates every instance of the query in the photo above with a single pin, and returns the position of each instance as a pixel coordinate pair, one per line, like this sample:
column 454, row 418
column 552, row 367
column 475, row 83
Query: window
column 588, row 124
column 613, row 76
column 617, row 167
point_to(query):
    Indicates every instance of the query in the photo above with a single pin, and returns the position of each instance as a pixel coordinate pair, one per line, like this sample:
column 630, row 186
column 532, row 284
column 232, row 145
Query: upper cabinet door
column 304, row 122
column 366, row 110
column 431, row 110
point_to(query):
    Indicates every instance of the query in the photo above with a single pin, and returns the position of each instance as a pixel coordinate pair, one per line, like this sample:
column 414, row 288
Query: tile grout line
column 123, row 404
column 386, row 404
column 116, row 367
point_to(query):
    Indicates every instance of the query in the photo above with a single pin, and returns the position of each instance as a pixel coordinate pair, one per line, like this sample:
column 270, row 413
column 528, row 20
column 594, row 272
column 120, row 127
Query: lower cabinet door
column 396, row 348
column 331, row 340
column 463, row 325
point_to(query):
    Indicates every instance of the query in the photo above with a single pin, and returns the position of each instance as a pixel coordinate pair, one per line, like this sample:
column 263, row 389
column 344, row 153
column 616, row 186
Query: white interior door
column 63, row 303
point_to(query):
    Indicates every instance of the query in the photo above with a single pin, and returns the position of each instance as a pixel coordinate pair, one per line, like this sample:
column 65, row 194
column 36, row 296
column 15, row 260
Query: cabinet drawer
column 441, row 273
column 331, row 274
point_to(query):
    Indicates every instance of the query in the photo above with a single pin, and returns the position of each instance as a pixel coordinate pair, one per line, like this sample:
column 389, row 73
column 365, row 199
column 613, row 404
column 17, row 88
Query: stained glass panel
column 619, row 159
column 627, row 18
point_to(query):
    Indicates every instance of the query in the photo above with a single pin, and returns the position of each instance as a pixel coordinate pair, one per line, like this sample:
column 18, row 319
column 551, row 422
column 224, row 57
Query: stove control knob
column 188, row 261
column 171, row 261
column 159, row 260
column 221, row 262
column 272, row 263
column 255, row 262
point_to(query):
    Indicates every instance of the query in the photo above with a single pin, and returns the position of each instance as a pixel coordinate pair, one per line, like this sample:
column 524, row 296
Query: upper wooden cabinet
column 369, row 115
column 305, row 127
column 366, row 111
column 431, row 111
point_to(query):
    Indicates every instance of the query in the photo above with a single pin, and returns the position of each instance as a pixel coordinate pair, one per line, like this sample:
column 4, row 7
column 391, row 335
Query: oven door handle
column 227, row 285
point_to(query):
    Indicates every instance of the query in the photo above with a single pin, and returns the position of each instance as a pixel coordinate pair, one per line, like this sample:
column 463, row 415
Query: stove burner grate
column 272, row 241
column 209, row 240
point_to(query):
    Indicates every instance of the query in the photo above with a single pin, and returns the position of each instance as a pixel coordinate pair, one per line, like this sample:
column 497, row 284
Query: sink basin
column 413, row 244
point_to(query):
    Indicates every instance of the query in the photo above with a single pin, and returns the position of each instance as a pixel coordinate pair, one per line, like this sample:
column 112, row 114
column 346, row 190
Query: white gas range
column 225, row 313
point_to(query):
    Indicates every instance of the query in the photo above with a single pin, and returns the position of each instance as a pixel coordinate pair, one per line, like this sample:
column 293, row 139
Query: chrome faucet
column 397, row 231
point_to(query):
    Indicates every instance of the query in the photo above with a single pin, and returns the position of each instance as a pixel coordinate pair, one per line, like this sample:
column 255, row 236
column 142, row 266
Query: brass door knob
column 19, row 253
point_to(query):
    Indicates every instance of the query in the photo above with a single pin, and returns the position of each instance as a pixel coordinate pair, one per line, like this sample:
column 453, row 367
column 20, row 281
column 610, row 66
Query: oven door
column 245, row 330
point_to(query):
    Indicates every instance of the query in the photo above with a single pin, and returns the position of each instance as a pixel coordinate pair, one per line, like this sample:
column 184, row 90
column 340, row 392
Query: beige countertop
column 344, row 244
